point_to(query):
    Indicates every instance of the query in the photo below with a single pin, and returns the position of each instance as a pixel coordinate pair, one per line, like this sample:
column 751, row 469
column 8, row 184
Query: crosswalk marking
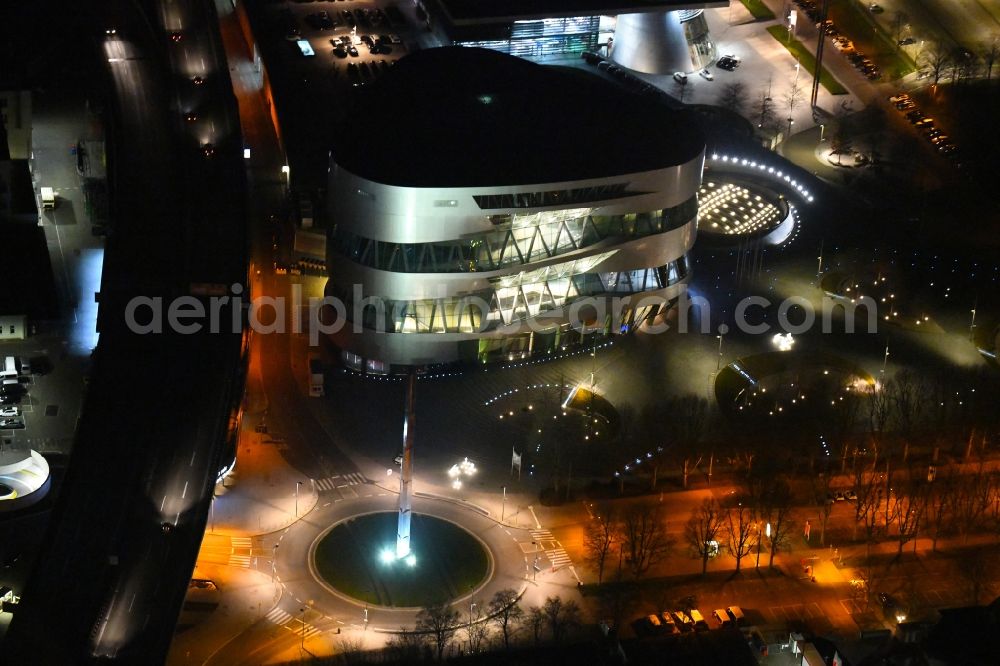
column 553, row 549
column 341, row 481
column 238, row 558
column 292, row 623
column 299, row 629
column 558, row 557
column 278, row 616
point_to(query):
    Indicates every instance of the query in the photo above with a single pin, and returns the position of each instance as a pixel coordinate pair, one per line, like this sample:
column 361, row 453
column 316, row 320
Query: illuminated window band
column 516, row 298
column 518, row 239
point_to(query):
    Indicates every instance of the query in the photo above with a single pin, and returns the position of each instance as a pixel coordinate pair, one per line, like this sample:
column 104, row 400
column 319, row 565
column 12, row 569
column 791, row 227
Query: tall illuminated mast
column 406, row 478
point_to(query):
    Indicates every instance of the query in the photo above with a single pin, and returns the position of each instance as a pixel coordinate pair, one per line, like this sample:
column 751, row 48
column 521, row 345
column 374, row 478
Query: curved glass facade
column 512, row 299
column 518, row 238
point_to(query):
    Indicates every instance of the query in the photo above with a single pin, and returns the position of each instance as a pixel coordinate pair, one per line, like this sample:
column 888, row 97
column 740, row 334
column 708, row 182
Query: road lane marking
column 185, row 491
column 532, row 510
column 162, row 503
column 193, row 454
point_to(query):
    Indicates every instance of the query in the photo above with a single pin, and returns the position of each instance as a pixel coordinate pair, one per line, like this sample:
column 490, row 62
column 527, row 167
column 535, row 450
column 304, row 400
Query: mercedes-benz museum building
column 486, row 208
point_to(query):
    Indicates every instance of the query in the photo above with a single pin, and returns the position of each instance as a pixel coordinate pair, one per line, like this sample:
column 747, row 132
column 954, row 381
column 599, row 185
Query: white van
column 48, row 198
column 9, row 369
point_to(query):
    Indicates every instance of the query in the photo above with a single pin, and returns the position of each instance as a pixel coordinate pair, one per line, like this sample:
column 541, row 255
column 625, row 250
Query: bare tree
column 506, row 613
column 764, row 110
column 684, row 429
column 644, row 539
column 823, row 502
column 775, row 510
column 478, row 628
column 405, row 646
column 879, row 407
column 939, row 505
column 793, row 99
column 599, row 536
column 904, row 393
column 561, row 616
column 908, row 504
column 989, row 53
column 733, row 96
column 739, row 526
column 936, row 60
column 977, row 568
column 971, row 502
column 702, row 529
column 536, row 620
column 441, row 622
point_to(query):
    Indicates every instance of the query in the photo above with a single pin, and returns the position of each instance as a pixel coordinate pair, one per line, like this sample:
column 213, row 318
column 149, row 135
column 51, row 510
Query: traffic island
column 357, row 558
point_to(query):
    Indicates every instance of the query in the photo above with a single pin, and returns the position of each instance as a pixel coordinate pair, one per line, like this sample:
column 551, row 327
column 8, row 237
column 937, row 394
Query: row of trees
column 762, row 515
column 958, row 64
column 638, row 537
column 498, row 623
column 950, row 411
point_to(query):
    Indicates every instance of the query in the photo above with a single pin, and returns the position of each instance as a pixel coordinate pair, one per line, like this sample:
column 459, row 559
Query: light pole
column 757, row 565
column 503, row 506
column 767, row 533
column 297, row 484
column 718, row 361
column 885, row 359
column 972, row 324
column 822, row 133
column 819, row 267
column 365, row 628
column 274, row 557
column 302, row 619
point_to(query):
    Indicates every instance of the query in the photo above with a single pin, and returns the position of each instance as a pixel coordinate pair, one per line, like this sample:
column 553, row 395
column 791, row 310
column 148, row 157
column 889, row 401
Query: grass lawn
column 758, row 10
column 450, row 561
column 852, row 21
column 806, row 59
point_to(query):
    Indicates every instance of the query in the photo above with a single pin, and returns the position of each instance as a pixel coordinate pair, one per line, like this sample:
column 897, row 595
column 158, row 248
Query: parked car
column 669, row 625
column 653, row 620
column 722, row 617
column 736, row 613
column 699, row 620
column 728, row 63
column 684, row 621
column 707, row 75
column 907, row 41
column 839, row 496
column 8, row 412
column 680, row 77
column 851, row 495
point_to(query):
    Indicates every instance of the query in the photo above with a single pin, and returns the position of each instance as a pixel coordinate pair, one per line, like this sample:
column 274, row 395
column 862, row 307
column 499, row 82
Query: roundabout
column 446, row 561
column 366, row 596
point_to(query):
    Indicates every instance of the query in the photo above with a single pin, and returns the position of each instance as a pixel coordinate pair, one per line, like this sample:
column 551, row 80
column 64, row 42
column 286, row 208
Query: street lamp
column 297, row 484
column 503, row 505
column 972, row 324
column 302, row 619
column 274, row 557
column 718, row 361
column 885, row 359
column 757, row 564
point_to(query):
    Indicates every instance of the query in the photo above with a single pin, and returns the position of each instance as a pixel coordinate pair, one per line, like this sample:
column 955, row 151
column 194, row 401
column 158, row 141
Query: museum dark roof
column 477, row 10
column 466, row 117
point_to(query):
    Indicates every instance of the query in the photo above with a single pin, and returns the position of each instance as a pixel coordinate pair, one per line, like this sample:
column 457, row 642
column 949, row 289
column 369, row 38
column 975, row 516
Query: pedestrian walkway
column 241, row 549
column 553, row 550
column 293, row 624
column 340, row 481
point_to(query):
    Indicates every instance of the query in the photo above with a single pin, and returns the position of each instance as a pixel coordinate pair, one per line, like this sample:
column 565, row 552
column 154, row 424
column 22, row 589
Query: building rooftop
column 460, row 11
column 467, row 117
